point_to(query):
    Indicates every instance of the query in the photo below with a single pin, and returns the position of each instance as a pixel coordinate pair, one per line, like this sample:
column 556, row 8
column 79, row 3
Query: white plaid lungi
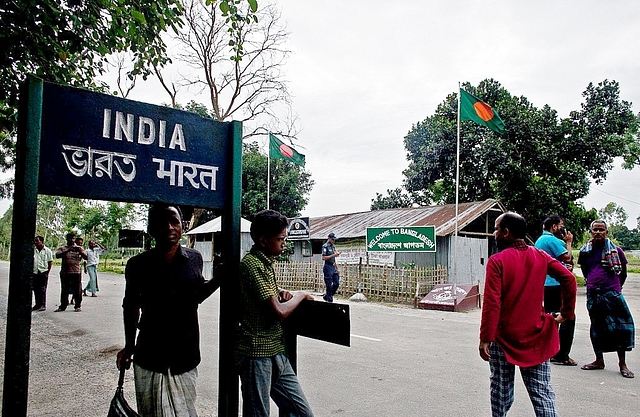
column 165, row 395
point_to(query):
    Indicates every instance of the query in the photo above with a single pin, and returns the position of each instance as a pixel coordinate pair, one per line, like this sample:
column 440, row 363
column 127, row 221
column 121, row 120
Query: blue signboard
column 104, row 147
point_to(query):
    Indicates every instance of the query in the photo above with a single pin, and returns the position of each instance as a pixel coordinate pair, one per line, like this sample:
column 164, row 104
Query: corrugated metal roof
column 215, row 225
column 353, row 225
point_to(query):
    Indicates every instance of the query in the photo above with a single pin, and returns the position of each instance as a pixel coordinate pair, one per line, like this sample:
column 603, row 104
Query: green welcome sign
column 401, row 239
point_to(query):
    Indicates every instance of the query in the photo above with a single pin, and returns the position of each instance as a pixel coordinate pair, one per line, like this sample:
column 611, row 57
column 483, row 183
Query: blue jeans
column 331, row 280
column 271, row 377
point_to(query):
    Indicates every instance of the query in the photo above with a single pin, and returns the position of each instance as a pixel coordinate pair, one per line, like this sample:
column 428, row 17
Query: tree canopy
column 68, row 42
column 290, row 184
column 91, row 219
column 396, row 198
column 541, row 164
column 616, row 217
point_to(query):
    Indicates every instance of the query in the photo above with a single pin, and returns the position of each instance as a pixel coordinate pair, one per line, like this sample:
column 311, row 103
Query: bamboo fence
column 377, row 283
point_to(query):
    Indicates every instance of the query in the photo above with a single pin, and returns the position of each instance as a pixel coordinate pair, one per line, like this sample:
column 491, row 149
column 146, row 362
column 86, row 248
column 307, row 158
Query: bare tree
column 239, row 68
column 170, row 87
column 123, row 65
column 250, row 88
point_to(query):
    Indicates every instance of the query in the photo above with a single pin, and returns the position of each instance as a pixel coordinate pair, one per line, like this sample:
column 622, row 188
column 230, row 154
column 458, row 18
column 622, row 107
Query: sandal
column 626, row 373
column 591, row 367
column 568, row 362
column 77, row 310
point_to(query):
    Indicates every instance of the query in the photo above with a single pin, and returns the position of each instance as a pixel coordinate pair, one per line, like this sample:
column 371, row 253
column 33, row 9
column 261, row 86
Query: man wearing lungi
column 604, row 266
column 164, row 287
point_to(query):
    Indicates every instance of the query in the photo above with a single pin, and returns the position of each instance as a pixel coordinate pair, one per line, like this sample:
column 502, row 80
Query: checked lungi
column 612, row 328
column 537, row 380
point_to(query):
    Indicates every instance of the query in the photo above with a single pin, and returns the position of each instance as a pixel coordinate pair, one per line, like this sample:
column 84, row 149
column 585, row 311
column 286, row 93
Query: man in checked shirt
column 264, row 369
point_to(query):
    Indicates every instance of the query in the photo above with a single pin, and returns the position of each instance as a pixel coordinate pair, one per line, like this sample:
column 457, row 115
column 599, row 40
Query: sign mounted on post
column 299, row 229
column 104, row 147
column 401, row 239
column 83, row 144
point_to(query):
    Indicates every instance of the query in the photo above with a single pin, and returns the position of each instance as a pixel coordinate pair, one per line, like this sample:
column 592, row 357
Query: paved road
column 402, row 362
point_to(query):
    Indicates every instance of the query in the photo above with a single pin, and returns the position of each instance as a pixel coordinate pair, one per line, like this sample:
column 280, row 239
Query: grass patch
column 108, row 264
column 115, row 266
column 633, row 266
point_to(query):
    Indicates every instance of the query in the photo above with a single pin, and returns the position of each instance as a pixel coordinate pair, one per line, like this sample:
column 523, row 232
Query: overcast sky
column 363, row 72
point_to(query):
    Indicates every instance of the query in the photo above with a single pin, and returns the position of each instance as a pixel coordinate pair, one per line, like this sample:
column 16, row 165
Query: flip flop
column 626, row 373
column 591, row 367
column 568, row 362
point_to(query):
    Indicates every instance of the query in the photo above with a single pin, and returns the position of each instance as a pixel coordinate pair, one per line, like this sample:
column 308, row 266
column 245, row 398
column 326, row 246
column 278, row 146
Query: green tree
column 632, row 139
column 613, row 214
column 91, row 219
column 68, row 42
column 5, row 233
column 578, row 220
column 627, row 239
column 290, row 184
column 540, row 165
column 50, row 218
column 102, row 221
column 396, row 198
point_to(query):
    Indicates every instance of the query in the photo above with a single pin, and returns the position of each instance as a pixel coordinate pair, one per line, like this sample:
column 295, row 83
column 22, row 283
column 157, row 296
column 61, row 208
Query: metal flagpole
column 455, row 234
column 268, row 167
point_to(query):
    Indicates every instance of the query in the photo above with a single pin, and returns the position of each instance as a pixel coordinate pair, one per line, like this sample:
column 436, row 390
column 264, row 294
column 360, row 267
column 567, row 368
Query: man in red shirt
column 515, row 330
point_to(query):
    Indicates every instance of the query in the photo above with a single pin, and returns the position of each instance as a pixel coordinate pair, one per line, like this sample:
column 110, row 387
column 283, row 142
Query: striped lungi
column 165, row 395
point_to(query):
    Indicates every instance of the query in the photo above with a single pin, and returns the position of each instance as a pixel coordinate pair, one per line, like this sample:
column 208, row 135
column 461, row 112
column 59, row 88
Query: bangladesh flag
column 277, row 149
column 476, row 110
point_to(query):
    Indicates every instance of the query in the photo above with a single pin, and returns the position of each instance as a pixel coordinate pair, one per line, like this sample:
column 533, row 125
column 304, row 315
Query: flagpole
column 268, row 167
column 455, row 235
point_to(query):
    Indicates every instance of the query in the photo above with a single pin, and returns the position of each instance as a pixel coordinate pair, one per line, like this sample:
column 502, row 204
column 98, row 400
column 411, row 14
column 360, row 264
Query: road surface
column 402, row 362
